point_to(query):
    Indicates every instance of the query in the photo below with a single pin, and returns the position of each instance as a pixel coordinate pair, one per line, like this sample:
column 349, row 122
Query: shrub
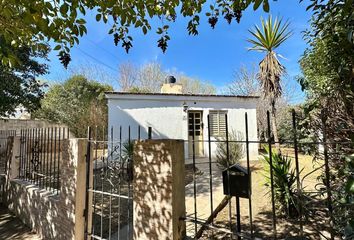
column 127, row 158
column 284, row 179
column 236, row 150
column 343, row 194
column 127, row 150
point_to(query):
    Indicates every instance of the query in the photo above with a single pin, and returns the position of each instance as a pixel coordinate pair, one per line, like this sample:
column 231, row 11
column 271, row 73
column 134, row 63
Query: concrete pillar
column 159, row 193
column 13, row 156
column 74, row 187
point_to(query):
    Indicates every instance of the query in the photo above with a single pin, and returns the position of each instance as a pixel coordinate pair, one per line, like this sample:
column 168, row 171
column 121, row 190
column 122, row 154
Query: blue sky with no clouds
column 213, row 56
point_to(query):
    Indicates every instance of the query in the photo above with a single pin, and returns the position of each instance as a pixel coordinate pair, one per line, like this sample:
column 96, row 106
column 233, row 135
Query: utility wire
column 97, row 60
column 99, row 46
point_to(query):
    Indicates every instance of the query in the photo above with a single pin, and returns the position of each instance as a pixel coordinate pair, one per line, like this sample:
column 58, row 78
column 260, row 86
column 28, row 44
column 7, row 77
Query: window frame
column 220, row 130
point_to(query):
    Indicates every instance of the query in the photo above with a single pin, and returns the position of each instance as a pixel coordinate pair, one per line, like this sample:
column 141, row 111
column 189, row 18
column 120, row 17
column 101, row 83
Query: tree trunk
column 274, row 127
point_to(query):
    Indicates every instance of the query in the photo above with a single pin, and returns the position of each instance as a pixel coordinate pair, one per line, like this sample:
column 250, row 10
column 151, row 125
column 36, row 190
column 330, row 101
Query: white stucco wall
column 168, row 120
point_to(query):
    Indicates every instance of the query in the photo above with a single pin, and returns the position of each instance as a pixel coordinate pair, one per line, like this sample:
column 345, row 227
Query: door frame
column 201, row 145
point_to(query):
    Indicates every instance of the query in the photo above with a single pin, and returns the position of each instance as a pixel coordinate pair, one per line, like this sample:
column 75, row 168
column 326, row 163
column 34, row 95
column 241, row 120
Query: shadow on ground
column 11, row 228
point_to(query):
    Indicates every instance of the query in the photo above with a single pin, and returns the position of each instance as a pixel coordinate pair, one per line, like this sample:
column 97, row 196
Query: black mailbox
column 238, row 181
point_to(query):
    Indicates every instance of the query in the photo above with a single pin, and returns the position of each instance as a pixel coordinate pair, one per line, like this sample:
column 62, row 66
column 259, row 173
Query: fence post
column 88, row 184
column 74, row 182
column 158, row 190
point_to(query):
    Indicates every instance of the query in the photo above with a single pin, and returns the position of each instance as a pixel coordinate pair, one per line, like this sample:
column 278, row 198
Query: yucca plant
column 267, row 38
column 127, row 157
column 284, row 180
column 227, row 157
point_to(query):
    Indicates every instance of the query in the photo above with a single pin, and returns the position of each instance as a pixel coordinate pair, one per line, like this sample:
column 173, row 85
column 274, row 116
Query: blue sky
column 213, row 56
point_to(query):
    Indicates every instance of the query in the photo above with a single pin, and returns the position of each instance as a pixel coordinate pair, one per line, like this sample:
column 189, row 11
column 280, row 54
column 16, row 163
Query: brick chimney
column 170, row 86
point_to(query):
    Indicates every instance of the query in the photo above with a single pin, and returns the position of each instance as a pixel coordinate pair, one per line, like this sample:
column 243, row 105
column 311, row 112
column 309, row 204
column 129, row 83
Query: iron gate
column 109, row 192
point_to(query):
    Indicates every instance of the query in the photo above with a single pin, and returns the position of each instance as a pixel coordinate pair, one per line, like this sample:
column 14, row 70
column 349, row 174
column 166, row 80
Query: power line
column 99, row 46
column 97, row 60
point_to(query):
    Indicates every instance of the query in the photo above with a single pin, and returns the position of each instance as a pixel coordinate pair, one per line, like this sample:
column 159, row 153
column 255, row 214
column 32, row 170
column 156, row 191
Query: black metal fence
column 4, row 141
column 41, row 153
column 288, row 193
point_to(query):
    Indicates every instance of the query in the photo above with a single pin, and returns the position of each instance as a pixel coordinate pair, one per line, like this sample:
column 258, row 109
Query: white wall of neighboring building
column 165, row 115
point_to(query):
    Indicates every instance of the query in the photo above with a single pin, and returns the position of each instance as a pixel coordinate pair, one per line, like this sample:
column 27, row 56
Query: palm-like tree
column 266, row 39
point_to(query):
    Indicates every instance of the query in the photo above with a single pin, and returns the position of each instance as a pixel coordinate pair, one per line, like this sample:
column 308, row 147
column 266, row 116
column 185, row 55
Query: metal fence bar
column 274, row 221
column 119, row 179
column 38, row 155
column 298, row 184
column 110, row 186
column 34, row 156
column 228, row 168
column 47, row 159
column 55, row 158
column 88, row 160
column 58, row 166
column 28, row 155
column 249, row 174
column 210, row 175
column 129, row 193
column 94, row 201
column 102, row 182
column 30, row 141
column 40, row 159
column 51, row 159
column 21, row 154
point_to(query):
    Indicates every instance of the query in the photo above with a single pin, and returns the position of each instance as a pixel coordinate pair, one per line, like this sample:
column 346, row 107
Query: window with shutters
column 217, row 123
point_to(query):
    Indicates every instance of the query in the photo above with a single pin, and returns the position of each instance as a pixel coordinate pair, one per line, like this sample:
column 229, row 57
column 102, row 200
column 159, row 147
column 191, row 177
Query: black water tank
column 170, row 79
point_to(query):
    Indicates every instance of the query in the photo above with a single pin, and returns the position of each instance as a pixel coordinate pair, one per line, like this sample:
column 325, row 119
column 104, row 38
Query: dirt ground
column 314, row 227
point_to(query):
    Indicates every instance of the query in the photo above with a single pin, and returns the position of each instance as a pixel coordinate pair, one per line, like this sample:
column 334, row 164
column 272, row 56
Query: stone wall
column 53, row 216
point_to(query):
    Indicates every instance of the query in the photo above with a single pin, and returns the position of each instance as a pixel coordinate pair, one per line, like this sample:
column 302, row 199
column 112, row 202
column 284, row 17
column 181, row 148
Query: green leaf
column 98, row 17
column 266, row 6
column 350, row 186
column 159, row 31
column 82, row 10
column 257, row 3
column 81, row 21
column 144, row 29
column 57, row 47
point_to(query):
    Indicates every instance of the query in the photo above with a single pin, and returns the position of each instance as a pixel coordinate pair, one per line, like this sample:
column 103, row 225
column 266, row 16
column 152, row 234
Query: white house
column 171, row 114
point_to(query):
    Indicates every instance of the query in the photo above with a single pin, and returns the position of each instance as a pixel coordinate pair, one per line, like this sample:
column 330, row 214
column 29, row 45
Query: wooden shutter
column 217, row 123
